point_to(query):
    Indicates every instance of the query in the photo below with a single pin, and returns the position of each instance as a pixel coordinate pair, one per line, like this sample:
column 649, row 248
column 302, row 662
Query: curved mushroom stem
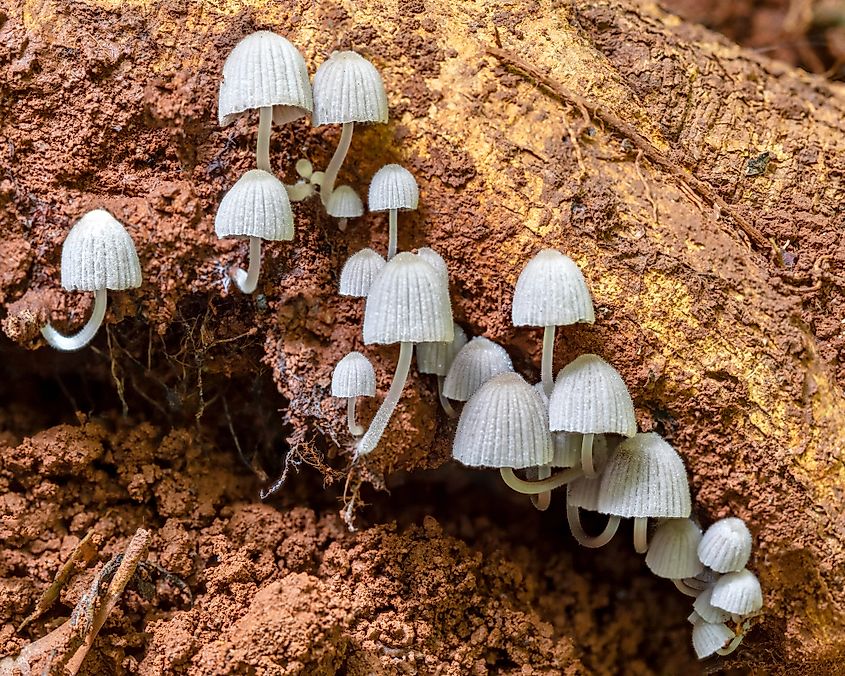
column 444, row 402
column 337, row 160
column 393, row 234
column 537, row 487
column 641, row 534
column 587, row 456
column 354, row 428
column 248, row 281
column 573, row 516
column 262, row 150
column 733, row 645
column 548, row 354
column 299, row 192
column 684, row 588
column 85, row 334
column 541, row 501
column 373, row 434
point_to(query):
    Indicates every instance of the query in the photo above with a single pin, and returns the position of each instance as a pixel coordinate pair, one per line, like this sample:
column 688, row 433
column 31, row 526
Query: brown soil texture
column 193, row 398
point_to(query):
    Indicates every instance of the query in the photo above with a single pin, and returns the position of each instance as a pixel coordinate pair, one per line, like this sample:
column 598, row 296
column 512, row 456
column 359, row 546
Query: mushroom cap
column 354, row 377
column 645, row 477
column 703, row 605
column 673, row 552
column 348, row 88
column 436, row 358
column 98, row 254
column 344, row 203
column 264, row 69
column 738, row 593
column 726, row 546
column 583, row 492
column 590, row 397
column 476, row 362
column 393, row 187
column 707, row 638
column 408, row 303
column 551, row 291
column 436, row 261
column 504, row 424
column 359, row 271
column 256, row 206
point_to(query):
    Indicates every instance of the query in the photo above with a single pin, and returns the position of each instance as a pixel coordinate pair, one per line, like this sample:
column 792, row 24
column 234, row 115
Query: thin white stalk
column 393, row 234
column 248, row 281
column 444, row 402
column 733, row 645
column 641, row 535
column 537, row 487
column 587, row 455
column 548, row 355
column 336, row 162
column 262, row 149
column 86, row 333
column 379, row 423
column 354, row 428
column 684, row 588
column 573, row 516
column 541, row 501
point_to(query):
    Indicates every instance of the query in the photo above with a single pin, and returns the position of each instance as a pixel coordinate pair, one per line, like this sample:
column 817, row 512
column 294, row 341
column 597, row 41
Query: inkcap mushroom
column 344, row 204
column 353, row 377
column 673, row 552
column 359, row 271
column 476, row 362
column 726, row 546
column 703, row 605
column 393, row 188
column 738, row 593
column 436, row 358
column 708, row 638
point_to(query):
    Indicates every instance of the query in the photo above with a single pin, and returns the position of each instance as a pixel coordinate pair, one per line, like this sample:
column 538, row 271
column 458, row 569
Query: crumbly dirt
column 732, row 350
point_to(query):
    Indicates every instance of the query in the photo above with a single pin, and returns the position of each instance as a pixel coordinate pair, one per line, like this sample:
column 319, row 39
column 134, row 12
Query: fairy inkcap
column 551, row 291
column 348, row 88
column 673, row 552
column 738, row 593
column 256, row 206
column 358, row 273
column 354, row 377
column 393, row 187
column 726, row 546
column 344, row 203
column 476, row 362
column 708, row 638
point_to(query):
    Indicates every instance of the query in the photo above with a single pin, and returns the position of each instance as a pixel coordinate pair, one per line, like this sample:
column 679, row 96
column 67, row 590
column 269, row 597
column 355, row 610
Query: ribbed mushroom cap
column 703, row 605
column 256, row 206
column 707, row 638
column 673, row 552
column 726, row 546
column 344, row 203
column 476, row 362
column 98, row 254
column 264, row 69
column 583, row 492
column 436, row 261
column 393, row 187
column 551, row 291
column 348, row 88
column 645, row 477
column 590, row 397
column 359, row 271
column 354, row 377
column 408, row 303
column 504, row 424
column 738, row 593
column 436, row 358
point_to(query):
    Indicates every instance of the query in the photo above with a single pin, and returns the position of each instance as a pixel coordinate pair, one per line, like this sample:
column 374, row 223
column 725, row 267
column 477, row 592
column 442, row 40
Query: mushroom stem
column 573, row 516
column 587, row 455
column 541, row 501
column 341, row 224
column 641, row 534
column 337, row 160
column 393, row 234
column 248, row 281
column 262, row 149
column 354, row 428
column 536, row 487
column 85, row 334
column 299, row 192
column 733, row 645
column 548, row 353
column 684, row 588
column 373, row 434
column 444, row 402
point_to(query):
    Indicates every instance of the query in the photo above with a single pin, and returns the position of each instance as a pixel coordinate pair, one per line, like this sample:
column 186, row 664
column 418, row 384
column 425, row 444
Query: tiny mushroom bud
column 256, row 207
column 359, row 272
column 347, row 89
column 344, row 204
column 551, row 292
column 476, row 362
column 97, row 255
column 703, row 605
column 645, row 478
column 708, row 638
column 393, row 188
column 726, row 546
column 436, row 358
column 738, row 593
column 353, row 377
column 673, row 552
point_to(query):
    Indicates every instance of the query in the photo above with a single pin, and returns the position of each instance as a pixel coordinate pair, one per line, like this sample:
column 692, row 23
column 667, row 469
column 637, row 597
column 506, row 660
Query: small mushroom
column 551, row 292
column 645, row 478
column 476, row 362
column 353, row 377
column 738, row 593
column 726, row 546
column 673, row 553
column 97, row 255
column 344, row 204
column 256, row 207
column 436, row 358
column 347, row 89
column 708, row 638
column 393, row 188
column 703, row 605
column 359, row 272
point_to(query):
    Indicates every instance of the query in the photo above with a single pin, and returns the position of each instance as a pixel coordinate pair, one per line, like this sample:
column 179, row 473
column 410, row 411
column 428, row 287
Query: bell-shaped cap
column 504, row 424
column 354, row 377
column 707, row 638
column 264, row 69
column 476, row 362
column 703, row 605
column 436, row 358
column 408, row 303
column 551, row 291
column 393, row 187
column 738, row 593
column 436, row 261
column 583, row 492
column 726, row 546
column 99, row 254
column 644, row 478
column 348, row 88
column 590, row 397
column 256, row 206
column 673, row 552
column 359, row 271
column 344, row 203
